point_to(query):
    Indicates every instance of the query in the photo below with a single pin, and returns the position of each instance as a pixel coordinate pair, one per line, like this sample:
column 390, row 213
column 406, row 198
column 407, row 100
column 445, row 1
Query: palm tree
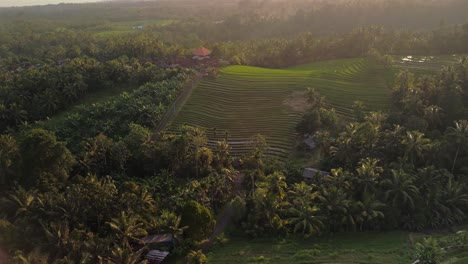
column 58, row 235
column 433, row 115
column 33, row 257
column 369, row 174
column 305, row 220
column 335, row 204
column 276, row 185
column 460, row 135
column 127, row 228
column 171, row 223
column 301, row 193
column 400, row 189
column 339, row 178
column 223, row 156
column 196, row 257
column 21, row 202
column 369, row 209
column 415, row 144
column 124, row 254
column 455, row 199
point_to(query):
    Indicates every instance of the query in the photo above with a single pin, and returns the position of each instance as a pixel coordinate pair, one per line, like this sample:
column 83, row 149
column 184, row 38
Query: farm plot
column 425, row 63
column 245, row 101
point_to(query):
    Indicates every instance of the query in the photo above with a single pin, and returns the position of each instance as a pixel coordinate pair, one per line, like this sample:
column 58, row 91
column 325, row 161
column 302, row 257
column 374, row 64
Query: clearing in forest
column 245, row 101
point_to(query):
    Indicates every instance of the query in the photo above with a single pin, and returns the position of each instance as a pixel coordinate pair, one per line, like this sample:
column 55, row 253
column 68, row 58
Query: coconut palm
column 20, row 202
column 401, row 191
column 306, row 220
column 339, row 178
column 127, row 228
column 335, row 204
column 368, row 174
column 415, row 144
column 369, row 209
column 459, row 134
column 171, row 223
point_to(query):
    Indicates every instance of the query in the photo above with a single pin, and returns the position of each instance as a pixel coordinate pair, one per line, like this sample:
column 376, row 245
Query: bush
column 199, row 219
column 197, row 257
column 428, row 252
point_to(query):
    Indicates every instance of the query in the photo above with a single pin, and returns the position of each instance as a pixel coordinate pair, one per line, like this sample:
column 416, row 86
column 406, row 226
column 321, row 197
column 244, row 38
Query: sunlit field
column 248, row 100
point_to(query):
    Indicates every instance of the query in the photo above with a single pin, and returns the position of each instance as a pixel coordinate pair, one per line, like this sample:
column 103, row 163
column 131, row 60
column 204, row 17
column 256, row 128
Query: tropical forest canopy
column 85, row 172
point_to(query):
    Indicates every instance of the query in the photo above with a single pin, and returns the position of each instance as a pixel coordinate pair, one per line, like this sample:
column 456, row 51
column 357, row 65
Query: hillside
column 246, row 101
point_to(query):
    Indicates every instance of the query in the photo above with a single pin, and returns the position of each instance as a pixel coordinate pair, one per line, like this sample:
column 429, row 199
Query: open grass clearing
column 353, row 247
column 385, row 247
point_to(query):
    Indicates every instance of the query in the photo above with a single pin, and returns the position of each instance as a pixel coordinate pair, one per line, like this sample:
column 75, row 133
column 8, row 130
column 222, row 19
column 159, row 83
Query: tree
column 196, row 257
column 127, row 228
column 44, row 159
column 306, row 220
column 8, row 154
column 401, row 191
column 199, row 219
column 172, row 223
column 369, row 174
column 315, row 99
column 459, row 134
column 415, row 144
column 368, row 210
column 304, row 215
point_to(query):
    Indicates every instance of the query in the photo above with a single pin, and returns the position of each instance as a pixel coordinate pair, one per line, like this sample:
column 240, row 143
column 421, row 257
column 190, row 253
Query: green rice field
column 390, row 247
column 356, row 247
column 246, row 101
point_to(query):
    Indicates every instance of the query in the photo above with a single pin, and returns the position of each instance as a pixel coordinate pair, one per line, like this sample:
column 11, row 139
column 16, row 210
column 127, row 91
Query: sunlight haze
column 7, row 3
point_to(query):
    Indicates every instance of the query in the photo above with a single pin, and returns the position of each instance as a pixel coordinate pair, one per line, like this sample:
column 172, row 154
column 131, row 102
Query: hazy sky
column 4, row 3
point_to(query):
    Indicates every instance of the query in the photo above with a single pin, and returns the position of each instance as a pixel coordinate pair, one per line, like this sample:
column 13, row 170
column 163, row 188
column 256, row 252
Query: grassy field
column 424, row 63
column 357, row 247
column 389, row 247
column 247, row 100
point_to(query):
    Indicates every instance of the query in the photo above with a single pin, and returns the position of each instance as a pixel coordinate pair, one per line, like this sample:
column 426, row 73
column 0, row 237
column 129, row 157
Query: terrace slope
column 246, row 100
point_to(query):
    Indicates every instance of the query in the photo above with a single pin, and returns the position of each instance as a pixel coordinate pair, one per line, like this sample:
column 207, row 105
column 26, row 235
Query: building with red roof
column 201, row 52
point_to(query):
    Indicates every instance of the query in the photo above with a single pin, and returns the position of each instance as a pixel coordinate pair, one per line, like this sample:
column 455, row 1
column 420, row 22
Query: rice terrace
column 244, row 100
column 233, row 131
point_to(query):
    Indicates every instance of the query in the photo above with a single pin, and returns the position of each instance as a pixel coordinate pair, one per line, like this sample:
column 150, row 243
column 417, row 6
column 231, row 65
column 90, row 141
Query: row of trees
column 38, row 93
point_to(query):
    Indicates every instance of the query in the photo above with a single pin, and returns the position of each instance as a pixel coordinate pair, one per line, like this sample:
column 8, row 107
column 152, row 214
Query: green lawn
column 386, row 247
column 247, row 100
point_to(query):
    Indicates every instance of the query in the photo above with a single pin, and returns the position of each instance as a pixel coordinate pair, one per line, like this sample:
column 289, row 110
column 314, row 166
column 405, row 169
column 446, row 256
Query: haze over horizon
column 10, row 3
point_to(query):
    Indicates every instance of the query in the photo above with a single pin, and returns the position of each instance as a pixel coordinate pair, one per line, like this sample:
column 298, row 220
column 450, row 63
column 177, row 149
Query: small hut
column 159, row 245
column 201, row 53
column 310, row 173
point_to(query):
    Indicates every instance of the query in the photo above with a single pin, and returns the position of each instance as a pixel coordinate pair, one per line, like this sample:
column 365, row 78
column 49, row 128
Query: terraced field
column 248, row 100
column 423, row 64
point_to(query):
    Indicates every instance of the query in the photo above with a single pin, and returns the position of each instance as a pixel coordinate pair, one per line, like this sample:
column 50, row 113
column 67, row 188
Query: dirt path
column 225, row 216
column 172, row 110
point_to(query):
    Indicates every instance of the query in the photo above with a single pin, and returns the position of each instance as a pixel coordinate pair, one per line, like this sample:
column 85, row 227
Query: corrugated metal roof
column 158, row 238
column 156, row 256
column 311, row 172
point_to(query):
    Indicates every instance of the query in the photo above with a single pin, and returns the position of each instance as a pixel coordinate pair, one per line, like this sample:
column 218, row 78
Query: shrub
column 428, row 252
column 199, row 219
